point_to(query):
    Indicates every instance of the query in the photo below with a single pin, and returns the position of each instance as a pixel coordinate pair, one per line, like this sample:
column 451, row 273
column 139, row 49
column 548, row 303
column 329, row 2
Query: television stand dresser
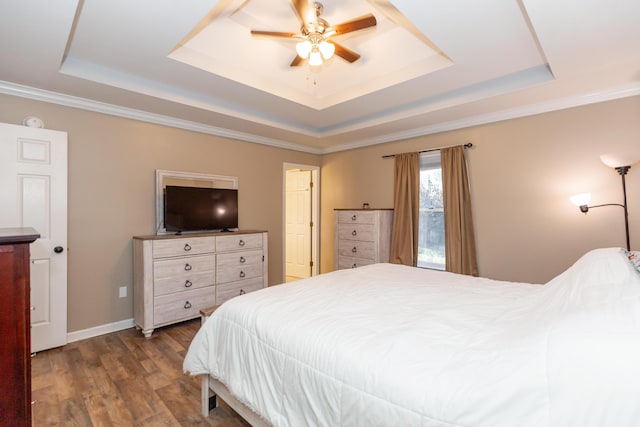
column 175, row 276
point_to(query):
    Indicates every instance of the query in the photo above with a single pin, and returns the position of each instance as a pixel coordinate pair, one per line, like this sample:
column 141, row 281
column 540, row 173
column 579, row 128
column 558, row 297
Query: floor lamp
column 622, row 164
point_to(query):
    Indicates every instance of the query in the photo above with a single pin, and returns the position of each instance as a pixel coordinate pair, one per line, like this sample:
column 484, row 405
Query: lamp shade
column 615, row 160
column 303, row 49
column 327, row 49
column 315, row 58
column 581, row 199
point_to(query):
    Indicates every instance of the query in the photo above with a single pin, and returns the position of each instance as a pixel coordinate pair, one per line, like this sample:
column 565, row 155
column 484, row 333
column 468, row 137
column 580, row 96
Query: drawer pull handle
column 187, row 248
column 242, row 274
column 353, row 266
column 187, row 305
column 187, row 267
column 354, row 250
column 242, row 260
column 354, row 233
column 242, row 292
column 353, row 218
column 241, row 242
column 188, row 283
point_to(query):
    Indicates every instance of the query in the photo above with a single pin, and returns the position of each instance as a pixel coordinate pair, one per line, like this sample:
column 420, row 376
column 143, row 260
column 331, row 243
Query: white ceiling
column 322, row 87
column 499, row 59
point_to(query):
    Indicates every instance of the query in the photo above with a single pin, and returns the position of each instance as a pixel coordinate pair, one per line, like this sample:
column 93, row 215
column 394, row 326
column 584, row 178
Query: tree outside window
column 431, row 244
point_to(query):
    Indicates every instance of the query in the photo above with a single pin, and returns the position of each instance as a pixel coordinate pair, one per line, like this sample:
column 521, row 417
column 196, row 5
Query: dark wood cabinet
column 15, row 337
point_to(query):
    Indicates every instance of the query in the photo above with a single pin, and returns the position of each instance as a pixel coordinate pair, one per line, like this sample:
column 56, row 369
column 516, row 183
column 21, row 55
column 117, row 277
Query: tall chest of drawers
column 362, row 237
column 177, row 276
column 15, row 348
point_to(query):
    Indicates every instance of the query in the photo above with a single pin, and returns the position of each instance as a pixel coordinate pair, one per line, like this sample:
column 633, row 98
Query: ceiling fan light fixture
column 303, row 49
column 327, row 49
column 315, row 58
column 313, row 44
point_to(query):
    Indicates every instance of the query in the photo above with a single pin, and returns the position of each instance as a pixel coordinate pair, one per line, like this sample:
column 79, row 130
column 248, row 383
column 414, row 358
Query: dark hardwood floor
column 122, row 379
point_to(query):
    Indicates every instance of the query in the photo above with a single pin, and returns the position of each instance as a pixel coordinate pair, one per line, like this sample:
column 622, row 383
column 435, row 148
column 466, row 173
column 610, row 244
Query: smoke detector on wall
column 33, row 122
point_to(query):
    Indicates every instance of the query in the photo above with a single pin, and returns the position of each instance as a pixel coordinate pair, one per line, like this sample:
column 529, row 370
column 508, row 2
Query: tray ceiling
column 426, row 67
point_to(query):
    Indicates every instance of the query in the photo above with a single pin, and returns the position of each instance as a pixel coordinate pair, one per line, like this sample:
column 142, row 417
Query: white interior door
column 298, row 223
column 33, row 193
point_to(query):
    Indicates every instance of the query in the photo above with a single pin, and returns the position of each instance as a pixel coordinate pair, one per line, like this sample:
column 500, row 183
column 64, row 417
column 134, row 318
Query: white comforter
column 388, row 345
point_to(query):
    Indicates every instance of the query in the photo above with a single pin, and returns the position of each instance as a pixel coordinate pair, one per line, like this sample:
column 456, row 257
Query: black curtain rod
column 467, row 145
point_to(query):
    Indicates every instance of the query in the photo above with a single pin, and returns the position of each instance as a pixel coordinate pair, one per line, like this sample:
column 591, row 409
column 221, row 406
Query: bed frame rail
column 209, row 402
column 220, row 390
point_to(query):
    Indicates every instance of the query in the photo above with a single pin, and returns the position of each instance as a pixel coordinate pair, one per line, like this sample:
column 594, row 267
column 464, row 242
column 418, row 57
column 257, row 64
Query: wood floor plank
column 140, row 397
column 63, row 380
column 91, row 351
column 46, row 407
column 112, row 364
column 130, row 338
column 74, row 413
column 172, row 343
column 158, row 380
column 103, row 384
column 97, row 410
column 40, row 373
column 78, row 370
column 149, row 367
column 120, row 411
column 182, row 390
column 123, row 379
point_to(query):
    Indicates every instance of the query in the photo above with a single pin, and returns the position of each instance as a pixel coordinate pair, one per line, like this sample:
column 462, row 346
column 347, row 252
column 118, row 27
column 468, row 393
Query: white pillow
column 600, row 275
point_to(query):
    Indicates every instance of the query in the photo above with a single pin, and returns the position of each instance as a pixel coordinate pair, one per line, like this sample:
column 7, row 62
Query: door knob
column 58, row 249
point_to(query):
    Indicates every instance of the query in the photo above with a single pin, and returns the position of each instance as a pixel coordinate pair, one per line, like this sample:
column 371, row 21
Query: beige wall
column 112, row 163
column 522, row 173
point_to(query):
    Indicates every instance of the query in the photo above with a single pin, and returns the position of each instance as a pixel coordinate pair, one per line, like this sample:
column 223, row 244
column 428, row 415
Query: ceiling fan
column 315, row 34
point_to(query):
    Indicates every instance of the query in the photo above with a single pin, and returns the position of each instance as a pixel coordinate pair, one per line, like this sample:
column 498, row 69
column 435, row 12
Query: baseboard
column 99, row 330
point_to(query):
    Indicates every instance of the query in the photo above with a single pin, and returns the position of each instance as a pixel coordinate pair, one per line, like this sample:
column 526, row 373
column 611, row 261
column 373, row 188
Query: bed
column 390, row 345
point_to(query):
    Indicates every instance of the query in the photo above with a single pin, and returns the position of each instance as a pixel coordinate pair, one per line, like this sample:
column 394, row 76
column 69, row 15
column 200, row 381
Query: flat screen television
column 200, row 209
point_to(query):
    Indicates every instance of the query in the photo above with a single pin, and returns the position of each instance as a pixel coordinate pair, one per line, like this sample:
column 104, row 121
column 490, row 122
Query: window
column 431, row 253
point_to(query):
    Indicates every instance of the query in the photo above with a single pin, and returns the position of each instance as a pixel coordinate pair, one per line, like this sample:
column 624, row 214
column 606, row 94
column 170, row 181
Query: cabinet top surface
column 18, row 235
column 188, row 235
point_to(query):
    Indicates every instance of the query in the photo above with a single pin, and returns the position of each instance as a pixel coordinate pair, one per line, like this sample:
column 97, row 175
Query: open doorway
column 301, row 227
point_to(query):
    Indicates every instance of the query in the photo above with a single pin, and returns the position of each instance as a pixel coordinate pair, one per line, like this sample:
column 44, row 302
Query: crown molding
column 36, row 94
column 514, row 113
column 22, row 91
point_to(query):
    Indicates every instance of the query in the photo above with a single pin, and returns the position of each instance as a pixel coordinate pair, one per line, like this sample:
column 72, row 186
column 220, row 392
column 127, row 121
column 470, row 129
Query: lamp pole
column 622, row 170
column 584, row 208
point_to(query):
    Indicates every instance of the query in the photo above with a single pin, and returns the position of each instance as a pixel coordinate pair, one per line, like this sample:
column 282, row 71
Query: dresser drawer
column 170, row 285
column 230, row 290
column 362, row 232
column 183, row 246
column 351, row 262
column 180, row 274
column 354, row 248
column 241, row 272
column 239, row 242
column 239, row 258
column 356, row 217
column 181, row 306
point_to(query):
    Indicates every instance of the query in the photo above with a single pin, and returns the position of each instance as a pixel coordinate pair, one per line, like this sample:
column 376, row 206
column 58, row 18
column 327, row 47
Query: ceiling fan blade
column 305, row 10
column 274, row 34
column 344, row 53
column 297, row 61
column 356, row 24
